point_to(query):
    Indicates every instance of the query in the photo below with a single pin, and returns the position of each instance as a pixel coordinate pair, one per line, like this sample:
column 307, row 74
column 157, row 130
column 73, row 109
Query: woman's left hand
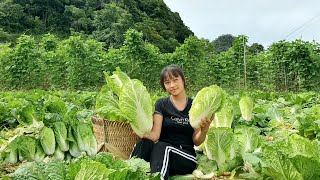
column 205, row 123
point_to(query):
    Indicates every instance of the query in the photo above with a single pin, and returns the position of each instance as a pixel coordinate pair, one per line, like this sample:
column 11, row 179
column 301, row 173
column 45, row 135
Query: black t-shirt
column 176, row 128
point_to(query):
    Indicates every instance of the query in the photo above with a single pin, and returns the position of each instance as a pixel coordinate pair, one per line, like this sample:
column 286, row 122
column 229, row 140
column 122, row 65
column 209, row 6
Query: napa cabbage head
column 58, row 154
column 47, row 140
column 61, row 133
column 220, row 145
column 248, row 139
column 207, row 101
column 107, row 102
column 224, row 117
column 136, row 105
column 12, row 157
column 107, row 106
column 85, row 138
column 93, row 170
column 246, row 108
column 116, row 80
column 27, row 147
column 39, row 154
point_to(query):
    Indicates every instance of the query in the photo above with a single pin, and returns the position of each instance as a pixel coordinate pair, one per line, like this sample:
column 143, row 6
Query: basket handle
column 100, row 146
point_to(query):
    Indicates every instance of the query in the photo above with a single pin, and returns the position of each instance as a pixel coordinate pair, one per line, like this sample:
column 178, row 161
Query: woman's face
column 174, row 85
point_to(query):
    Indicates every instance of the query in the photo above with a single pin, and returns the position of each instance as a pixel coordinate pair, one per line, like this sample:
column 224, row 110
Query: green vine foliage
column 5, row 52
column 24, row 68
column 78, row 63
column 294, row 67
column 240, row 51
column 48, row 51
column 143, row 59
column 191, row 56
column 83, row 60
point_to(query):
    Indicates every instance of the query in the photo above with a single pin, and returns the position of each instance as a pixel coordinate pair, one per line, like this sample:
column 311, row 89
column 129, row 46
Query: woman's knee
column 143, row 149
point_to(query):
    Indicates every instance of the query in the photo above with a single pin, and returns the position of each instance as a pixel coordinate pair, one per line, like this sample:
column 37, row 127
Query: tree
column 191, row 56
column 44, row 15
column 255, row 48
column 156, row 32
column 223, row 43
column 12, row 16
column 105, row 20
column 80, row 20
column 111, row 23
column 142, row 59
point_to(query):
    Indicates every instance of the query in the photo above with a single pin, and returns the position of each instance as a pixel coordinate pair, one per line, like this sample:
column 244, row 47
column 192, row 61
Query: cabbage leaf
column 206, row 102
column 246, row 108
column 136, row 105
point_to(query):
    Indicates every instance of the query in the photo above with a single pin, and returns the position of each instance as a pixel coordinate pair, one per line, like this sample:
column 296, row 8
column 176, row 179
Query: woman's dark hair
column 171, row 71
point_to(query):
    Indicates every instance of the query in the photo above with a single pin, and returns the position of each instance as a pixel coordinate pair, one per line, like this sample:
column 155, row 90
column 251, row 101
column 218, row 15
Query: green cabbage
column 107, row 106
column 224, row 117
column 58, row 154
column 117, row 80
column 68, row 157
column 82, row 133
column 277, row 165
column 74, row 149
column 125, row 100
column 248, row 139
column 52, row 170
column 136, row 105
column 293, row 158
column 220, row 145
column 246, row 108
column 27, row 147
column 22, row 111
column 47, row 140
column 93, row 171
column 39, row 154
column 93, row 146
column 206, row 102
column 85, row 139
column 107, row 101
column 73, row 146
column 61, row 134
column 13, row 154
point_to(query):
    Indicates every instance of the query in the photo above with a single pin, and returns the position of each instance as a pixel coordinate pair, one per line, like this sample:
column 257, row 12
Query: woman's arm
column 198, row 137
column 154, row 134
column 200, row 134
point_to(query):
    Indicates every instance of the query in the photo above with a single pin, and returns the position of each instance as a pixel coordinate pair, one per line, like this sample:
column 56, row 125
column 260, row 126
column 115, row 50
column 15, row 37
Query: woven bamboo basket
column 99, row 132
column 119, row 137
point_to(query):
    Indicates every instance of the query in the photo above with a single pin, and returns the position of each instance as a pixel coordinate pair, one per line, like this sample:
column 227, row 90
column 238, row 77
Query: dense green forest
column 65, row 44
column 103, row 20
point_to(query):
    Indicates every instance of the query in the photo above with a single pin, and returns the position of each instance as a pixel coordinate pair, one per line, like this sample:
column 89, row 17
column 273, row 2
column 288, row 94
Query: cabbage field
column 60, row 69
column 254, row 135
column 48, row 135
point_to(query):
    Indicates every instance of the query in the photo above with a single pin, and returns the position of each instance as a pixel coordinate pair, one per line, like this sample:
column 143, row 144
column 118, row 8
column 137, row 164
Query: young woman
column 169, row 145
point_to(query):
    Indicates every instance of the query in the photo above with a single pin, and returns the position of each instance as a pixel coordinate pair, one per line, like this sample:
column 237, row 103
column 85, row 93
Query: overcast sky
column 263, row 21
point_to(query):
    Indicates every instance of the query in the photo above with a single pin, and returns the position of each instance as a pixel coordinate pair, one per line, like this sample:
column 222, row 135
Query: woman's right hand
column 146, row 136
column 154, row 134
column 205, row 123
